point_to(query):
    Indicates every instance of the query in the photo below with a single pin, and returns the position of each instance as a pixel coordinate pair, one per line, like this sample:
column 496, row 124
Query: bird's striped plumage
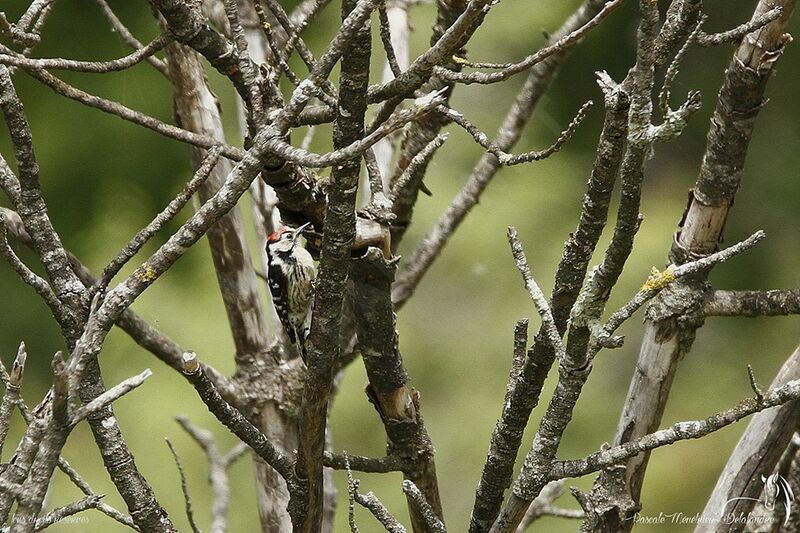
column 291, row 281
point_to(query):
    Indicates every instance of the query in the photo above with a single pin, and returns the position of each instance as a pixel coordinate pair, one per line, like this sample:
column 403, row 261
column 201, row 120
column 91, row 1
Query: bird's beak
column 299, row 230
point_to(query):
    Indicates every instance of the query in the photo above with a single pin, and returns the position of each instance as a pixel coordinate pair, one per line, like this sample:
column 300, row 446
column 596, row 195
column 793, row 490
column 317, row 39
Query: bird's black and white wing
column 278, row 287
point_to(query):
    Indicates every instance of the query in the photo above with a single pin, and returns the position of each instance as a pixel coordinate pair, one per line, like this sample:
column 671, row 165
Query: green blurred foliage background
column 104, row 179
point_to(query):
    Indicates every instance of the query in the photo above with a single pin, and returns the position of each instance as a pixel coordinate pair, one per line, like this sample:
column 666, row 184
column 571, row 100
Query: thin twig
column 101, row 506
column 306, row 11
column 440, row 52
column 120, row 29
column 417, row 162
column 39, row 284
column 16, row 34
column 557, row 47
column 672, row 70
column 11, row 397
column 694, row 429
column 218, row 466
column 350, row 26
column 248, row 70
column 536, row 294
column 308, row 138
column 511, row 159
column 423, row 507
column 374, row 174
column 370, row 502
column 543, row 506
column 92, row 67
column 399, row 119
column 110, row 395
column 386, row 39
column 659, row 280
column 754, row 385
column 125, row 113
column 352, row 489
column 380, row 512
column 737, row 33
column 51, row 518
column 34, row 14
column 328, row 93
column 169, row 212
column 184, row 487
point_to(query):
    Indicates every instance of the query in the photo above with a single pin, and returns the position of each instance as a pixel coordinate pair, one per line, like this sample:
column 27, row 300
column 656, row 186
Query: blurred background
column 104, row 179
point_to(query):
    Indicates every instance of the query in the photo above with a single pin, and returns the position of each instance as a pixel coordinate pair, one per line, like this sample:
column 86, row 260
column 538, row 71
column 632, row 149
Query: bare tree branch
column 508, row 134
column 423, row 508
column 88, row 502
column 279, row 407
column 339, row 233
column 169, row 212
column 109, row 396
column 440, row 52
column 125, row 113
column 218, row 465
column 73, row 296
column 543, row 506
column 396, row 402
column 139, row 330
column 120, row 29
column 755, row 455
column 578, row 250
column 235, row 421
column 93, row 67
column 694, row 429
column 557, row 47
column 536, row 294
column 13, row 32
column 390, row 463
column 33, row 209
column 38, row 284
column 737, row 33
column 77, row 480
column 512, row 159
column 370, row 502
column 11, row 397
column 669, row 333
column 752, row 303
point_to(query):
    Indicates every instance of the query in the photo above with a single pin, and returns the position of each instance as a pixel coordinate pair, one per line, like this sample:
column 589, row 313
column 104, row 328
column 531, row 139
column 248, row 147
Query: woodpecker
column 291, row 282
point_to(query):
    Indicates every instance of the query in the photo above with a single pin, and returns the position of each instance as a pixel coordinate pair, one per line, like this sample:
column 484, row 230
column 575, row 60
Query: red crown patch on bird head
column 276, row 235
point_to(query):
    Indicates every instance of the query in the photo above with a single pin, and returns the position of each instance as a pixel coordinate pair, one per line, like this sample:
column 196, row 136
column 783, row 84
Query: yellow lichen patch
column 459, row 60
column 146, row 272
column 658, row 279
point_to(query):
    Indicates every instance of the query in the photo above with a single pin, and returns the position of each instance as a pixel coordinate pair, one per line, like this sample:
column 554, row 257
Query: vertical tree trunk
column 197, row 110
